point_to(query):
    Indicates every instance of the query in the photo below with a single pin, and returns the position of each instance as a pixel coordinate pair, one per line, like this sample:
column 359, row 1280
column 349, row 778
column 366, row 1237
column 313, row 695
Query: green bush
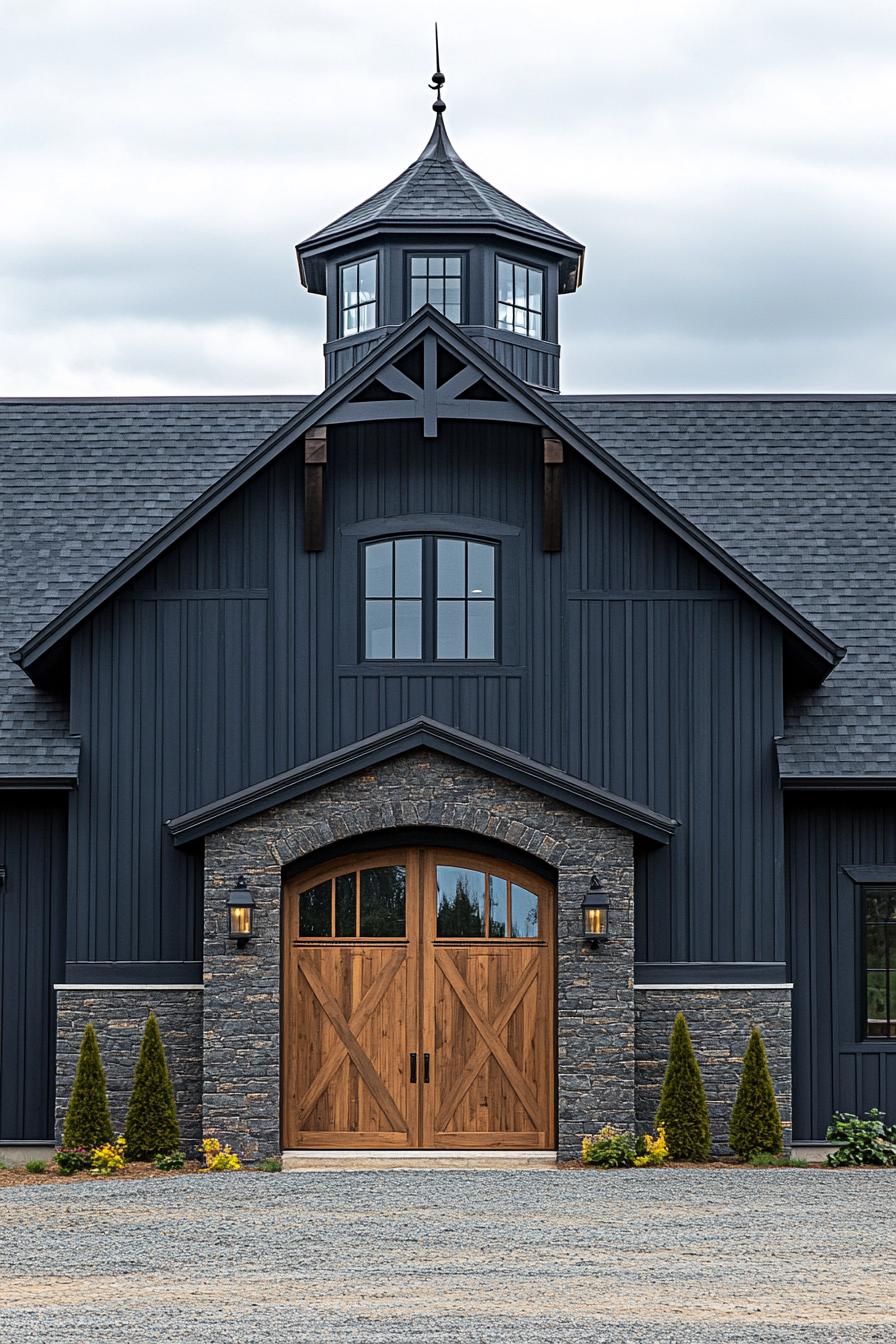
column 271, row 1164
column 170, row 1161
column 755, row 1123
column 70, row 1160
column 608, row 1148
column 868, row 1142
column 682, row 1112
column 36, row 1167
column 87, row 1121
column 151, row 1127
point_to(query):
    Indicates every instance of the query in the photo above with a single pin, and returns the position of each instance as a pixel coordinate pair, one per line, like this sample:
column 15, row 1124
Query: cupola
column 440, row 234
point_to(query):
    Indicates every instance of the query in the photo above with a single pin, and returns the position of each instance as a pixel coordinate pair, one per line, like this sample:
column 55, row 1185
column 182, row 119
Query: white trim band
column 198, row 988
column 781, row 985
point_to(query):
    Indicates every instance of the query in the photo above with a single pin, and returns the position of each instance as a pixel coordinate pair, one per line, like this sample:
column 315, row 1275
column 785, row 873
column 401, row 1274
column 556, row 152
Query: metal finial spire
column 438, row 80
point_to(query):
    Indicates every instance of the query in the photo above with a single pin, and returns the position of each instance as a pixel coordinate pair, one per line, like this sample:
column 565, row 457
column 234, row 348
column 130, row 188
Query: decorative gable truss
column 427, row 382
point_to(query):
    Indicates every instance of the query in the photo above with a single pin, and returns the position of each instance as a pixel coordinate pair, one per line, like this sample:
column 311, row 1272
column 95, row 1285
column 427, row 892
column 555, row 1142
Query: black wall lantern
column 595, row 915
column 241, row 912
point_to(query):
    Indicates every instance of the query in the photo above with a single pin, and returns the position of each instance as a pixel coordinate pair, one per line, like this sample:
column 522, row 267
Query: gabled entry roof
column 409, row 736
column 816, row 650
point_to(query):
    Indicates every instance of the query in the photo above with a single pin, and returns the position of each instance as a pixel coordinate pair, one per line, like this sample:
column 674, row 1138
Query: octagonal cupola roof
column 438, row 194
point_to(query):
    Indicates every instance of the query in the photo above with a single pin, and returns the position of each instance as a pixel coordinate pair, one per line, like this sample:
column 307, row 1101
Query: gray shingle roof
column 83, row 483
column 801, row 490
column 438, row 187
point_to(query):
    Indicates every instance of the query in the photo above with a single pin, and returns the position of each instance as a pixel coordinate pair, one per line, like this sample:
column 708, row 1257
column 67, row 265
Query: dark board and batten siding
column 829, row 841
column 32, row 955
column 622, row 660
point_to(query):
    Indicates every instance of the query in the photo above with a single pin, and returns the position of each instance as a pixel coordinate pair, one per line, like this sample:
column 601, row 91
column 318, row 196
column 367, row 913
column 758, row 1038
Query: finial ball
column 438, row 79
column 438, row 105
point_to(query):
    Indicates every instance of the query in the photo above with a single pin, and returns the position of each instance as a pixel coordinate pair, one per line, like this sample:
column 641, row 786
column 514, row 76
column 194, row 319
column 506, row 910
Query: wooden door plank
column 372, row 1080
column 520, row 1085
column 478, row 1060
column 355, row 1025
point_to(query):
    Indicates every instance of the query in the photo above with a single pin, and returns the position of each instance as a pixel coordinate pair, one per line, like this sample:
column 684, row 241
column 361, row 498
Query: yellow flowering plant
column 611, row 1147
column 219, row 1157
column 108, row 1157
column 652, row 1151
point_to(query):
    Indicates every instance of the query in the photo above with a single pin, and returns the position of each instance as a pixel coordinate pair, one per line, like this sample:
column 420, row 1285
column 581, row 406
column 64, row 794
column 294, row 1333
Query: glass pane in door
column 382, row 902
column 460, row 902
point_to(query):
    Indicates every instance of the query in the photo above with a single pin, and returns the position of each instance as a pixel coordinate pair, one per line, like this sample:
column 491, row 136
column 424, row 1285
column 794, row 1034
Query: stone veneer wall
column 119, row 1018
column 595, row 1023
column 720, row 1021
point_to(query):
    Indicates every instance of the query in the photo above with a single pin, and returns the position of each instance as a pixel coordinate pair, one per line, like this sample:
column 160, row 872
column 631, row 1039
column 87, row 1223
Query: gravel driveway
column 450, row 1255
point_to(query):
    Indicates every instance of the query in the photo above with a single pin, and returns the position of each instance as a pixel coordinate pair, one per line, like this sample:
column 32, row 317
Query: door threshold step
column 379, row 1159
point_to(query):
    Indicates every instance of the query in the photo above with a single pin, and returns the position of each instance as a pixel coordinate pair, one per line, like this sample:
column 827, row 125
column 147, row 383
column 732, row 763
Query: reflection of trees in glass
column 314, row 912
column 880, row 960
column 460, row 916
column 382, row 902
column 524, row 913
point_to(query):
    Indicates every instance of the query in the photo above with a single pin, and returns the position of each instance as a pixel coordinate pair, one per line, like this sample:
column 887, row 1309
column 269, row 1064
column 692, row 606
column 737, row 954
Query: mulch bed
column 134, row 1171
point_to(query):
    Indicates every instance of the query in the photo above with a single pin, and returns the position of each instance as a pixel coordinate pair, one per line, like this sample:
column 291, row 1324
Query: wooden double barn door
column 418, row 1004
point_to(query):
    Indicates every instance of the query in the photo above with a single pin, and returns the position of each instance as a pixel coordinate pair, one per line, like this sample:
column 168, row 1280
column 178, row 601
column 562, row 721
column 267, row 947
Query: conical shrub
column 87, row 1120
column 150, row 1127
column 682, row 1111
column 755, row 1120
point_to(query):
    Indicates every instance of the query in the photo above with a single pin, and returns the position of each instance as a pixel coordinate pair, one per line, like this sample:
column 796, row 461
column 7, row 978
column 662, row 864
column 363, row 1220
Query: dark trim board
column 839, row 783
column 133, row 972
column 409, row 736
column 734, row 973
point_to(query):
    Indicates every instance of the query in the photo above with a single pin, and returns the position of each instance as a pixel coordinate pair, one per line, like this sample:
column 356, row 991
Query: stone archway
column 595, row 997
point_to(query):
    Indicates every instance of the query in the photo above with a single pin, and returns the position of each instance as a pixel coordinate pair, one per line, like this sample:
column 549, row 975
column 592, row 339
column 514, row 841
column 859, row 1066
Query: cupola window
column 437, row 280
column 430, row 598
column 358, row 291
column 520, row 298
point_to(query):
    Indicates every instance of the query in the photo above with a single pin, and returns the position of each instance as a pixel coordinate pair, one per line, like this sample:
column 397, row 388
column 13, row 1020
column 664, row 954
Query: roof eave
column 817, row 646
column 410, row 736
column 313, row 251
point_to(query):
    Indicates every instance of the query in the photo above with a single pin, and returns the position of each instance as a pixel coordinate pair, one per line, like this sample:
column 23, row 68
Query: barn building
column 418, row 748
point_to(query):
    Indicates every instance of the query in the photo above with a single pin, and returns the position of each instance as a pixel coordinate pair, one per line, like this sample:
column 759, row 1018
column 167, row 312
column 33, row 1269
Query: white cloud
column 730, row 167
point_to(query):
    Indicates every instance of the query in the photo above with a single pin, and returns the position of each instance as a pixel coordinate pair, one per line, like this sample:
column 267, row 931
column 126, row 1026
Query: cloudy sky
column 730, row 164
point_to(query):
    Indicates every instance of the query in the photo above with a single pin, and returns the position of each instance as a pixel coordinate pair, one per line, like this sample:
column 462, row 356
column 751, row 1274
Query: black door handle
column 426, row 1068
column 413, row 1066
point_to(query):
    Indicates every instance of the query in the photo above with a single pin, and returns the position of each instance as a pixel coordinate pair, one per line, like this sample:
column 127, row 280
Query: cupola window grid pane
column 437, row 280
column 520, row 298
column 358, row 297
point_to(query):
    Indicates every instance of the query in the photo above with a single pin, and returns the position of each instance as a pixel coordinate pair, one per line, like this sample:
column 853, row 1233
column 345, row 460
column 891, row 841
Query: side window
column 431, row 598
column 520, row 298
column 880, row 960
column 357, row 290
column 437, row 280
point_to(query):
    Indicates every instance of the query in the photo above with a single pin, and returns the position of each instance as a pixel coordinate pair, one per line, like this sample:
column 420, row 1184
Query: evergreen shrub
column 87, row 1120
column 755, row 1122
column 150, row 1127
column 682, row 1112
